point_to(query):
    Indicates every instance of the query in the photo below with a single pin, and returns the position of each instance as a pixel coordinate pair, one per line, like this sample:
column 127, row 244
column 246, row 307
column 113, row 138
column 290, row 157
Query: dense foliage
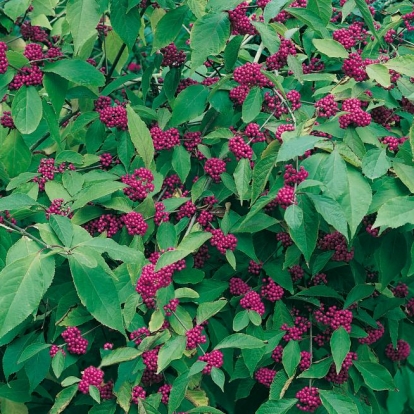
column 206, row 206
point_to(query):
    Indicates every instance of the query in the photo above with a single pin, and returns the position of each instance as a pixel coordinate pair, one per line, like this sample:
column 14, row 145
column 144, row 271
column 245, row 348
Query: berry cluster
column 222, row 242
column 238, row 286
column 28, row 76
column 355, row 116
column 164, row 140
column 138, row 393
column 309, row 399
column 265, row 376
column 393, row 144
column 57, row 208
column 135, row 223
column 139, row 335
column 337, row 242
column 172, row 57
column 161, row 216
column 327, row 106
column 254, row 267
column 114, row 117
column 334, row 317
column 292, row 176
column 6, row 120
column 33, row 51
column 33, row 33
column 139, row 184
column 296, row 272
column 150, row 359
column 213, row 359
column 350, row 36
column 214, row 167
column 76, row 344
column 271, row 290
column 195, row 337
column 4, row 63
column 295, row 332
column 373, row 334
column 400, row 291
column 251, row 301
column 109, row 223
column 240, row 22
column 171, row 307
column 343, row 374
column 165, row 390
column 285, row 239
column 90, row 376
column 239, row 148
column 401, row 352
column 279, row 59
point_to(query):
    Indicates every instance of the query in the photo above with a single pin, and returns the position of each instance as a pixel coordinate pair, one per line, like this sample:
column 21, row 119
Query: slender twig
column 115, row 62
column 258, row 53
column 190, row 225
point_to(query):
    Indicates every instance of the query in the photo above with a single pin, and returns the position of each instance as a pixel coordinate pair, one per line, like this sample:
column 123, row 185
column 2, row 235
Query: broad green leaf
column 375, row 163
column 12, row 407
column 23, row 282
column 333, row 174
column 340, row 346
column 405, row 173
column 14, row 154
column 322, row 8
column 252, row 105
column 261, row 173
column 217, row 375
column 177, row 394
column 27, row 109
column 279, row 407
column 331, row 212
column 217, row 25
column 16, row 201
column 62, row 226
column 16, row 8
column 32, row 350
column 317, row 369
column 331, row 48
column 208, row 309
column 375, row 375
column 231, row 52
column 273, row 8
column 367, row 16
column 311, row 19
column 242, row 177
column 269, row 37
column 170, row 351
column 291, row 357
column 95, row 191
column 241, row 320
column 296, row 147
column 219, row 5
column 295, row 66
column 356, row 200
column 357, row 293
column 169, row 27
column 63, row 399
column 76, row 71
column 140, row 137
column 82, row 16
column 396, row 212
column 241, row 341
column 125, row 23
column 390, row 257
column 336, row 403
column 198, row 7
column 380, row 74
column 119, row 355
column 58, row 364
column 181, row 162
column 303, row 224
column 189, row 104
column 320, row 290
column 97, row 292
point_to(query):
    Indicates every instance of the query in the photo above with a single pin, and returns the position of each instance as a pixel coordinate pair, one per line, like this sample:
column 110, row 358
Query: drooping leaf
column 170, row 351
column 336, row 403
column 340, row 346
column 331, row 48
column 376, row 376
column 27, row 109
column 125, row 23
column 240, row 341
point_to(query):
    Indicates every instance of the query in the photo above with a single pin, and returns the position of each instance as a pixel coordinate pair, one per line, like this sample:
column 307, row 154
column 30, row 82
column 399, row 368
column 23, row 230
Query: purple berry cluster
column 213, row 359
column 222, row 242
column 135, row 223
column 265, row 376
column 4, row 63
column 337, row 242
column 164, row 140
column 238, row 287
column 309, row 399
column 172, row 57
column 90, row 376
column 76, row 344
column 139, row 184
column 195, row 337
column 252, row 301
column 401, row 352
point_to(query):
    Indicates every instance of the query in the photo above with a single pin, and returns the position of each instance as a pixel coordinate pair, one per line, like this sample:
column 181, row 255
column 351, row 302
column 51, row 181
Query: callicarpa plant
column 206, row 206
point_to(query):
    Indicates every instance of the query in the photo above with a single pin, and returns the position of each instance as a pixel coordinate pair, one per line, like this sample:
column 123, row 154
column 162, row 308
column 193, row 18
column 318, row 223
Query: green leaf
column 217, row 375
column 291, row 357
column 58, row 364
column 217, row 25
column 252, row 105
column 318, row 369
column 177, row 393
column 322, row 8
column 405, row 173
column 241, row 341
column 390, row 257
column 169, row 27
column 242, row 177
column 367, row 16
column 375, row 163
column 241, row 320
column 269, row 36
column 16, row 8
column 296, row 147
column 261, row 174
column 273, row 8
column 320, row 290
column 231, row 258
column 119, row 355
column 336, row 403
column 198, row 7
column 31, row 351
column 181, row 162
column 333, row 174
column 331, row 48
column 97, row 292
column 303, row 226
column 357, row 293
column 296, row 67
column 15, row 156
column 396, row 212
column 27, row 109
column 62, row 226
column 95, row 191
column 375, row 375
column 380, row 74
column 83, row 17
column 279, row 407
column 356, row 200
column 311, row 19
column 16, row 201
column 140, row 136
column 331, row 212
column 23, row 284
column 208, row 309
column 189, row 104
column 231, row 52
column 63, row 399
column 125, row 23
column 340, row 346
column 77, row 71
